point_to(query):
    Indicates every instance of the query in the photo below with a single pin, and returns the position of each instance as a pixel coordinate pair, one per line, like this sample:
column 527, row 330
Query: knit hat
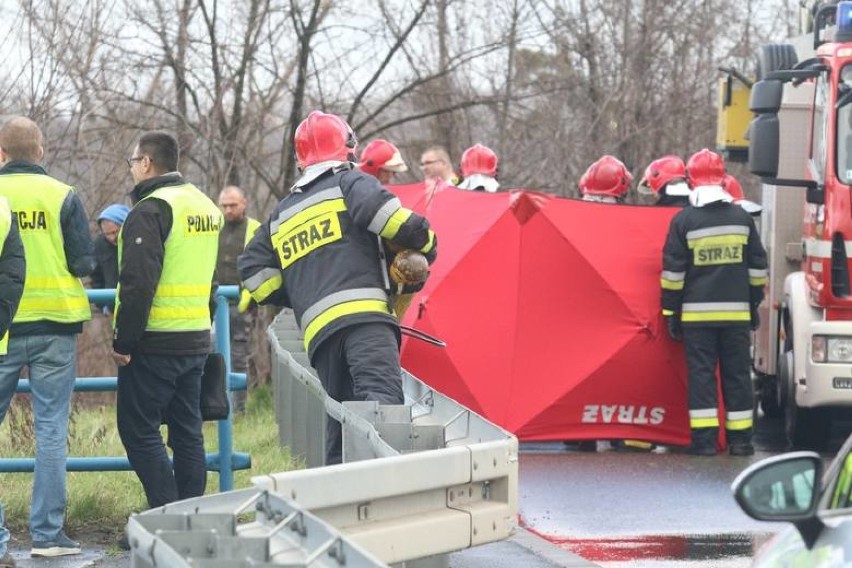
column 117, row 213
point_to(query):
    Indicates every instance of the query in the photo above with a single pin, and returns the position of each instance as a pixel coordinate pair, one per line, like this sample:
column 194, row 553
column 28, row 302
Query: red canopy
column 550, row 311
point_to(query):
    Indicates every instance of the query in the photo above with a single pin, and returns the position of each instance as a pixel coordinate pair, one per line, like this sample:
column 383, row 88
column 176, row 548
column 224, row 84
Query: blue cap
column 117, row 213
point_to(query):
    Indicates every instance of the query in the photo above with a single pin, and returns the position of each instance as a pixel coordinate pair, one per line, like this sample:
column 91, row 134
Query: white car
column 787, row 488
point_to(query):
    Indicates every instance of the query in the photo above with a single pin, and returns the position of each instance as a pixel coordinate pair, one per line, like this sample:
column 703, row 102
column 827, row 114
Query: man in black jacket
column 319, row 253
column 714, row 271
column 167, row 255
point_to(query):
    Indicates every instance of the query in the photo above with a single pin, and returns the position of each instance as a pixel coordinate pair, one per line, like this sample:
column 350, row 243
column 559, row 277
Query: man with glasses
column 167, row 257
column 435, row 165
column 43, row 337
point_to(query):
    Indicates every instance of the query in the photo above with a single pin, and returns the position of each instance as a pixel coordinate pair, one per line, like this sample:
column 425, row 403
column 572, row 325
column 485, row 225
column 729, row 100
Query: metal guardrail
column 249, row 527
column 225, row 461
column 419, row 480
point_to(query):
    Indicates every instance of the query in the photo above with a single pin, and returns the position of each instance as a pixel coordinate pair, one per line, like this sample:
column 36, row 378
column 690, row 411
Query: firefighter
column 665, row 178
column 605, row 181
column 320, row 253
column 382, row 160
column 714, row 271
column 479, row 169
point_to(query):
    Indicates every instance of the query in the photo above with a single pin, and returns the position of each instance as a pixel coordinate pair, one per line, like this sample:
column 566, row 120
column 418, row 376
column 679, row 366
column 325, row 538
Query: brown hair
column 21, row 139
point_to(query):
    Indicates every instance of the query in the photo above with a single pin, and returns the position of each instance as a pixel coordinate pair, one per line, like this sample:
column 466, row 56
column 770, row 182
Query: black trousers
column 155, row 390
column 729, row 347
column 359, row 362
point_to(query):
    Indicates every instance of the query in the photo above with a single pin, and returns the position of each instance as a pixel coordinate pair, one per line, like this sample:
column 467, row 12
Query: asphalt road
column 626, row 509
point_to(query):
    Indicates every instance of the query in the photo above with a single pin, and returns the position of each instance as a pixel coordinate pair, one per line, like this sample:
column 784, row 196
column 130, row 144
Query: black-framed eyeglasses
column 134, row 159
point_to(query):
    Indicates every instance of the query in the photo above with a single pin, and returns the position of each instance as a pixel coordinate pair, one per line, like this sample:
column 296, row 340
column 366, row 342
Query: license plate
column 842, row 383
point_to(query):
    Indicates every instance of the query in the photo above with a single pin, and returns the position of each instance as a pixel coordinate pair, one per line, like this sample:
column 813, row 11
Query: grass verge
column 100, row 502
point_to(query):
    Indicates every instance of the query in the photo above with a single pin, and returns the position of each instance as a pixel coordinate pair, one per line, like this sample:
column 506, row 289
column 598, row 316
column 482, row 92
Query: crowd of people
column 322, row 252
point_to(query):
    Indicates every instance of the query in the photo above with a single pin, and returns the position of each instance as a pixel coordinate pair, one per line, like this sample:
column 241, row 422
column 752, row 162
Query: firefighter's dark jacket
column 145, row 230
column 13, row 269
column 319, row 252
column 714, row 266
column 77, row 244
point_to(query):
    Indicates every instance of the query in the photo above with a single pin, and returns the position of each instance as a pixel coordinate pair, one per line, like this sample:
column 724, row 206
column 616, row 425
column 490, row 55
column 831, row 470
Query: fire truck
column 800, row 144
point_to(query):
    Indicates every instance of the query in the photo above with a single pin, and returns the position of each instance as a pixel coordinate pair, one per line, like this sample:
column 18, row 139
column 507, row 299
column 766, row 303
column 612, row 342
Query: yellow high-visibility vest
column 181, row 301
column 51, row 292
column 5, row 227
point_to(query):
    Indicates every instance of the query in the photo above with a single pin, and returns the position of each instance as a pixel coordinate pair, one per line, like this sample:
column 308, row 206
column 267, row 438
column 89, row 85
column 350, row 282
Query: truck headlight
column 839, row 349
column 831, row 349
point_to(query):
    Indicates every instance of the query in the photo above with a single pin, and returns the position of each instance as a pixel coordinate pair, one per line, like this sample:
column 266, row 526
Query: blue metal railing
column 225, row 461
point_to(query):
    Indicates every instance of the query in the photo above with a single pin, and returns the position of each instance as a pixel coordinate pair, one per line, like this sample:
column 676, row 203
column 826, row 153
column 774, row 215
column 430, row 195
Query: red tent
column 550, row 311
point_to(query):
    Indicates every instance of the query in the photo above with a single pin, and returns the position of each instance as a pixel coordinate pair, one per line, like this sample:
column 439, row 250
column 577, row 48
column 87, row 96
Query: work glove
column 674, row 328
column 755, row 319
column 245, row 301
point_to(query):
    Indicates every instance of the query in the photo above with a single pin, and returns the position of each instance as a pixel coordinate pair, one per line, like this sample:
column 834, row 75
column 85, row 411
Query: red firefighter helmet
column 479, row 159
column 322, row 137
column 705, row 167
column 733, row 187
column 608, row 176
column 381, row 155
column 663, row 171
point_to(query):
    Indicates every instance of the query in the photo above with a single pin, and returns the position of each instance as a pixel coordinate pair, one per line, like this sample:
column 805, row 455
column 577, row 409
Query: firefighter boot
column 703, row 442
column 739, row 442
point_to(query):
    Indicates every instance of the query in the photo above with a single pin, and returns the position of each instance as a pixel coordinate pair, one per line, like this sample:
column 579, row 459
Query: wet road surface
column 654, row 510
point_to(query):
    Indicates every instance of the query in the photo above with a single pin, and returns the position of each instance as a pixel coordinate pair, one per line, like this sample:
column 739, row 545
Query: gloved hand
column 245, row 301
column 755, row 319
column 674, row 328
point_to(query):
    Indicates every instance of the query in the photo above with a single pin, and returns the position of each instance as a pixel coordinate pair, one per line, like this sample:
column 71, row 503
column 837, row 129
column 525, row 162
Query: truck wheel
column 807, row 428
column 769, row 397
column 774, row 57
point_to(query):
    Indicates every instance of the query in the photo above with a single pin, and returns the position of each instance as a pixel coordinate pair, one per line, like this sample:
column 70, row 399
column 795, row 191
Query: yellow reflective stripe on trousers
column 4, row 343
column 715, row 316
column 739, row 419
column 704, row 422
column 343, row 309
column 703, row 418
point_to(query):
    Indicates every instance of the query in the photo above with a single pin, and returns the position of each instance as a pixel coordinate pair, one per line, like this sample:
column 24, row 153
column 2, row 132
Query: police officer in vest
column 58, row 248
column 714, row 271
column 235, row 235
column 167, row 257
column 13, row 268
column 319, row 254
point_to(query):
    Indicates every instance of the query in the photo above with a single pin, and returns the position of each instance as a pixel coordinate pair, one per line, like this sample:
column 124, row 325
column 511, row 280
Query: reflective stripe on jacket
column 714, row 266
column 181, row 300
column 319, row 252
column 51, row 292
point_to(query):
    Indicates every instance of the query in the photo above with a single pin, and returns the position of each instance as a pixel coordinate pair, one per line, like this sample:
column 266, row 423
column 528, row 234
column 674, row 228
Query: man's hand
column 674, row 328
column 120, row 359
